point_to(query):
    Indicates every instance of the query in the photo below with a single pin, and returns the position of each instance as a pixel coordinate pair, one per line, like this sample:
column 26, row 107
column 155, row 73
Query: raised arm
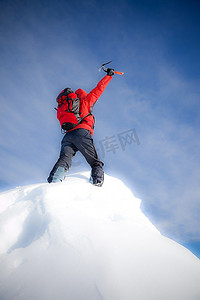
column 93, row 96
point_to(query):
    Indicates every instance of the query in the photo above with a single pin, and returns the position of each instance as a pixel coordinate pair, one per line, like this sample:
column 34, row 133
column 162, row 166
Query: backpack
column 68, row 110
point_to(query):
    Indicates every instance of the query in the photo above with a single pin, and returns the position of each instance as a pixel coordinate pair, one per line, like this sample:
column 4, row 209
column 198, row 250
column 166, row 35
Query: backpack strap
column 89, row 114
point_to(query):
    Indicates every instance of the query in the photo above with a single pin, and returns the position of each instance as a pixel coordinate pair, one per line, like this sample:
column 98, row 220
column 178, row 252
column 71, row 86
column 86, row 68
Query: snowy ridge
column 72, row 240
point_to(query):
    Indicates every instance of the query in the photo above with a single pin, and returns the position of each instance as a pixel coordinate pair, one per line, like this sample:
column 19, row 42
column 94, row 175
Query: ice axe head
column 104, row 68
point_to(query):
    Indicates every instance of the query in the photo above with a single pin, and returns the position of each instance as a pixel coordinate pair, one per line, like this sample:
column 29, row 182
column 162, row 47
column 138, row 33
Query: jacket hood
column 81, row 93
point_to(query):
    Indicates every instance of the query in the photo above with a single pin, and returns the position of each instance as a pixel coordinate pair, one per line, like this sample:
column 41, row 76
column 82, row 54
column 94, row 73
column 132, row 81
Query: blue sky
column 49, row 45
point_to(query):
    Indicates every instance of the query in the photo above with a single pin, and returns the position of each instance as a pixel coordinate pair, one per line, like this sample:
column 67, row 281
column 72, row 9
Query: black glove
column 110, row 72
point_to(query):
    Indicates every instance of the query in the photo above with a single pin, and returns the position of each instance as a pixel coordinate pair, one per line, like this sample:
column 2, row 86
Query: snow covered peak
column 73, row 240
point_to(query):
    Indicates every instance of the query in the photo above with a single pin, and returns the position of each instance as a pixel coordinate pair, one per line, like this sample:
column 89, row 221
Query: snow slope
column 72, row 240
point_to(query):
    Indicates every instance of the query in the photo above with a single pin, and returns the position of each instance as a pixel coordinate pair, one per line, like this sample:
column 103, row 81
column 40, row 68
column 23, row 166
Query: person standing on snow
column 79, row 138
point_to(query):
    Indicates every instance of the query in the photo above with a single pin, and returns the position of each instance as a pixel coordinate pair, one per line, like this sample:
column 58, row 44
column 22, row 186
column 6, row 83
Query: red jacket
column 87, row 102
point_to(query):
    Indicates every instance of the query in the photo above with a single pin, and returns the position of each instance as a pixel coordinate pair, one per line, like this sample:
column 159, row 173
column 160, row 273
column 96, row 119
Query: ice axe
column 105, row 69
